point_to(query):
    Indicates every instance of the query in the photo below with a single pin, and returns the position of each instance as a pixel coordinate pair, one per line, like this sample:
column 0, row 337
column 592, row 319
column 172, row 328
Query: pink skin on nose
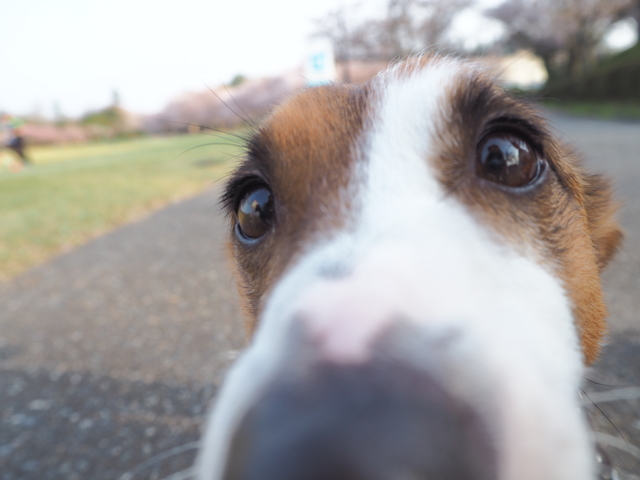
column 345, row 317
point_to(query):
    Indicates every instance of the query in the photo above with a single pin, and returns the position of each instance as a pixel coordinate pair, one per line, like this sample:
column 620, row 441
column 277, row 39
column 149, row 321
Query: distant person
column 13, row 136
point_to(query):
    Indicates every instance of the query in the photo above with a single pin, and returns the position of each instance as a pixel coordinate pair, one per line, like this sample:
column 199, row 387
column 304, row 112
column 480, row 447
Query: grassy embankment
column 597, row 109
column 74, row 193
column 611, row 90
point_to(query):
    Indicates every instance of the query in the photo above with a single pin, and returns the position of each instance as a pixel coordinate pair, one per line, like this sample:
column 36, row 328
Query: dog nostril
column 360, row 423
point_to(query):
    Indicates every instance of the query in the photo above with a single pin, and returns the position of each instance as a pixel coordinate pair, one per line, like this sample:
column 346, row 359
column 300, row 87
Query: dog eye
column 506, row 159
column 255, row 213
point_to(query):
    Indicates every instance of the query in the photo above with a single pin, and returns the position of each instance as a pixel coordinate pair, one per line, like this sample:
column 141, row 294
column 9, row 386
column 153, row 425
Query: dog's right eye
column 507, row 159
column 255, row 213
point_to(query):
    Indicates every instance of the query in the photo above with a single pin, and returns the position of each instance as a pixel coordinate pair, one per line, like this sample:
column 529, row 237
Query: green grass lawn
column 74, row 193
column 604, row 110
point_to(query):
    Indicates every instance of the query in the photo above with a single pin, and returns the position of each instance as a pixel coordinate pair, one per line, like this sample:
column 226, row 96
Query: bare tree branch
column 564, row 33
column 408, row 26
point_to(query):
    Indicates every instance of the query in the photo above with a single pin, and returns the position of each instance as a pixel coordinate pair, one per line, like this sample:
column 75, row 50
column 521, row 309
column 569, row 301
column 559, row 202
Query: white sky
column 76, row 52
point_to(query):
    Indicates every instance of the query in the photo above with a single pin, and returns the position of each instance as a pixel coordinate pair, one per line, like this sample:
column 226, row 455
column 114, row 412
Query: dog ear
column 606, row 234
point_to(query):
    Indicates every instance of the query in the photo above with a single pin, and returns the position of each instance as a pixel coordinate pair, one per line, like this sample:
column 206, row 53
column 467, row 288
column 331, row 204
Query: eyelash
column 515, row 126
column 235, row 189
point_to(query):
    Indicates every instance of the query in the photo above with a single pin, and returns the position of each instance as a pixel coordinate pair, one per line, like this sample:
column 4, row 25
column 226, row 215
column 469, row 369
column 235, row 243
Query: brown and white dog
column 420, row 263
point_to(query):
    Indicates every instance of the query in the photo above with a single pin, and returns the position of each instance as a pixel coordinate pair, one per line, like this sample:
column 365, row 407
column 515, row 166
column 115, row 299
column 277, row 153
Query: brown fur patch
column 566, row 217
column 601, row 215
column 304, row 153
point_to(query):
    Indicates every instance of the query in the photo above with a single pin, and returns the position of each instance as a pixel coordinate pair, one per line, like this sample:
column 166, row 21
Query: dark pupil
column 507, row 160
column 254, row 213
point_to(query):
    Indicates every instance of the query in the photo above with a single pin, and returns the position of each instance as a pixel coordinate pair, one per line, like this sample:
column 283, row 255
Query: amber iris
column 507, row 159
column 255, row 213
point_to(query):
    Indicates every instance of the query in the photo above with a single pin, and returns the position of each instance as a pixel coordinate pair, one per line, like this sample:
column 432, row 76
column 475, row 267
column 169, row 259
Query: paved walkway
column 110, row 354
column 614, row 148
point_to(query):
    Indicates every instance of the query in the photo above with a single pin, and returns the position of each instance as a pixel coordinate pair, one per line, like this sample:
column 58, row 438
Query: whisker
column 224, row 177
column 615, row 442
column 232, row 155
column 605, row 384
column 614, row 395
column 222, row 135
column 205, row 145
column 604, row 415
column 248, row 121
column 158, row 458
column 205, row 127
column 251, row 121
column 624, row 441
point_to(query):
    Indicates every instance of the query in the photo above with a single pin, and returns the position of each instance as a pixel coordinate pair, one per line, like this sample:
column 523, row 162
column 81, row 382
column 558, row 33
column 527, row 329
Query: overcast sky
column 75, row 53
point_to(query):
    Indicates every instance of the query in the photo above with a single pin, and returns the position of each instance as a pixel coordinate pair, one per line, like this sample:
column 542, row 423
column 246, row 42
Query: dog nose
column 380, row 421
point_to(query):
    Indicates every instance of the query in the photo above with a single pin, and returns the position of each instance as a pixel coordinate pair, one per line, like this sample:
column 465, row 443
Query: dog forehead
column 311, row 140
column 316, row 145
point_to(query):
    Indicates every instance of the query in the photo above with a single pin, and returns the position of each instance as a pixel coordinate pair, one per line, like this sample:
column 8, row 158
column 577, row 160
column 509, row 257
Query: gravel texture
column 110, row 354
column 614, row 148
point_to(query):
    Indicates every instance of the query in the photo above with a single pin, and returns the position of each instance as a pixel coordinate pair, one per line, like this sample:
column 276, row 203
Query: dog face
column 419, row 260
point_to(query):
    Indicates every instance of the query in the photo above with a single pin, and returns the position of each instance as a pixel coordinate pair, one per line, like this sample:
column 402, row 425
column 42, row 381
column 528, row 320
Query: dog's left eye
column 255, row 213
column 505, row 158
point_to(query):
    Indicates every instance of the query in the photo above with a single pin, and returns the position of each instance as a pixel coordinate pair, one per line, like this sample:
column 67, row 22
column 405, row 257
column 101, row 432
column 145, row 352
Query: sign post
column 319, row 64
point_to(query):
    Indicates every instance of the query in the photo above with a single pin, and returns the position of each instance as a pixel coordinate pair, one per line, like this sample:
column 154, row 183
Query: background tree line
column 565, row 34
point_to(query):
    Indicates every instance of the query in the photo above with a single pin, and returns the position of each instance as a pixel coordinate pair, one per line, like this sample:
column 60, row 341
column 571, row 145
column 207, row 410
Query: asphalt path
column 110, row 354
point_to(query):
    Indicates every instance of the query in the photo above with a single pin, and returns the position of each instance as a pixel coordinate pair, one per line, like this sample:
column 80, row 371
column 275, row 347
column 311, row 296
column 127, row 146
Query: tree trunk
column 554, row 76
